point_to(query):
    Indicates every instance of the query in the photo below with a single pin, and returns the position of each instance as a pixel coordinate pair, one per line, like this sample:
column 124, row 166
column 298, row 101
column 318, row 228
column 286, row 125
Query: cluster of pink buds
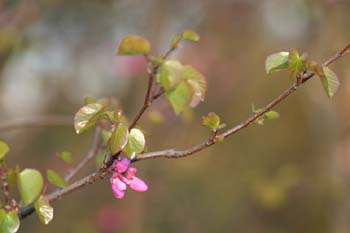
column 125, row 175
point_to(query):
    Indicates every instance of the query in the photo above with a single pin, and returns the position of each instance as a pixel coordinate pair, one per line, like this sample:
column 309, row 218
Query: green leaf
column 329, row 81
column 157, row 60
column 170, row 74
column 66, row 157
column 133, row 45
column 87, row 116
column 4, row 149
column 180, row 97
column 55, row 179
column 276, row 62
column 295, row 63
column 119, row 138
column 175, row 41
column 9, row 222
column 99, row 159
column 113, row 116
column 89, row 100
column 211, row 121
column 44, row 210
column 106, row 135
column 272, row 115
column 136, row 143
column 190, row 35
column 198, row 84
column 30, row 184
column 12, row 176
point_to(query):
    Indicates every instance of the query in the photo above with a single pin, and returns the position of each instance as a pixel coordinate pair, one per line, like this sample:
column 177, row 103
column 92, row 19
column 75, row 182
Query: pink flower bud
column 122, row 165
column 117, row 192
column 138, row 185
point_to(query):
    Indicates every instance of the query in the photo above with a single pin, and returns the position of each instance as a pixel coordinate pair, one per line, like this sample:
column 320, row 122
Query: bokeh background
column 289, row 175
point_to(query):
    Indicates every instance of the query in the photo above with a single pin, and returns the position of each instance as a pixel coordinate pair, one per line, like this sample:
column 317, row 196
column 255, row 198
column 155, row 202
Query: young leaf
column 87, row 116
column 211, row 121
column 295, row 63
column 12, row 176
column 99, row 159
column 89, row 100
column 133, row 45
column 190, row 35
column 119, row 138
column 4, row 149
column 30, row 184
column 272, row 115
column 105, row 135
column 276, row 62
column 170, row 74
column 136, row 143
column 175, row 41
column 66, row 157
column 329, row 81
column 44, row 210
column 113, row 116
column 55, row 179
column 180, row 97
column 9, row 222
column 198, row 84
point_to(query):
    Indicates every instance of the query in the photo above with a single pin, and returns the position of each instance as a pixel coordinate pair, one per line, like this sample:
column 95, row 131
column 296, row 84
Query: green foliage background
column 290, row 175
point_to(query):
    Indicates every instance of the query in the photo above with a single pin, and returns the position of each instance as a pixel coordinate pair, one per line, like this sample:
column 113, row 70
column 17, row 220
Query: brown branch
column 182, row 153
column 103, row 172
column 90, row 155
column 37, row 121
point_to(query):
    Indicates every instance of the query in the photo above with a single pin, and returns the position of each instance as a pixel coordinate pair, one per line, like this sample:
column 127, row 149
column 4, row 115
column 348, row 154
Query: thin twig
column 36, row 121
column 90, row 155
column 102, row 173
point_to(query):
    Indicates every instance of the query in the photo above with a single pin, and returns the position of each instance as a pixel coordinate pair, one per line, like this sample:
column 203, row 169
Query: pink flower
column 123, row 176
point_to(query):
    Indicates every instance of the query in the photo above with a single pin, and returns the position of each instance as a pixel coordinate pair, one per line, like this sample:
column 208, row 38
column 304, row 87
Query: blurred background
column 289, row 175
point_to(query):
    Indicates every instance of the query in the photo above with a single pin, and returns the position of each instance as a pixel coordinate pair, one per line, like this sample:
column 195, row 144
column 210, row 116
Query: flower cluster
column 125, row 175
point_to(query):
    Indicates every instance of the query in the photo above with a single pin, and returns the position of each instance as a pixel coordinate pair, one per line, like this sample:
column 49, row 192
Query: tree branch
column 90, row 155
column 103, row 172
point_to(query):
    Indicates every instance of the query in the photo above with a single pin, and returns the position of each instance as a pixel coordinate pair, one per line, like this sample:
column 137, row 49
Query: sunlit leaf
column 329, row 81
column 66, row 157
column 276, row 62
column 211, row 121
column 9, row 222
column 55, row 179
column 170, row 74
column 4, row 149
column 180, row 97
column 136, row 143
column 119, row 138
column 198, row 84
column 133, row 45
column 190, row 35
column 295, row 63
column 44, row 210
column 30, row 184
column 87, row 116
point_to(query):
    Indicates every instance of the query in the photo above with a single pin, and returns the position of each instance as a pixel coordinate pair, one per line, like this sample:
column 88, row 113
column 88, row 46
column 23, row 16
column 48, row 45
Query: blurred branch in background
column 36, row 121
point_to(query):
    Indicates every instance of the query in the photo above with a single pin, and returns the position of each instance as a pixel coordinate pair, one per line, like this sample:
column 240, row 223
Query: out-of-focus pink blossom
column 123, row 176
